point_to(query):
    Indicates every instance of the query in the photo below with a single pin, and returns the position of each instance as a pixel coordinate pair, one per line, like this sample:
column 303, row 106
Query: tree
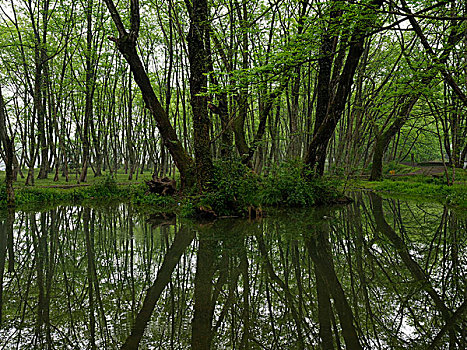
column 331, row 104
column 198, row 42
column 408, row 101
column 126, row 44
column 8, row 153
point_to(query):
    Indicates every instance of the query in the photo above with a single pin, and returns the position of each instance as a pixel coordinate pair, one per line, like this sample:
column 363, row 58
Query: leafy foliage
column 286, row 184
column 236, row 188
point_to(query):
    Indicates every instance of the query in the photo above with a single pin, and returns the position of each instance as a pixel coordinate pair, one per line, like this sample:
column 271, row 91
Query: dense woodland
column 170, row 87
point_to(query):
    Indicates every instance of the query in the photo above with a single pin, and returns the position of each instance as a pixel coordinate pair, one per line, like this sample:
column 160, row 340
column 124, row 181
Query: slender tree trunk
column 41, row 91
column 8, row 146
column 89, row 85
column 126, row 44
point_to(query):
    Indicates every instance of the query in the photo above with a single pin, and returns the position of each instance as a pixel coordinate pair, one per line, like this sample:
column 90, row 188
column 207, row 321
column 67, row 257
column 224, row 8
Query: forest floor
column 423, row 182
column 121, row 178
column 428, row 170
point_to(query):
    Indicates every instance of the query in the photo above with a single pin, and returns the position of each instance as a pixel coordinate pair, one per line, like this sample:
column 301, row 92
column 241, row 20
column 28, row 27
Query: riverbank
column 419, row 187
column 235, row 190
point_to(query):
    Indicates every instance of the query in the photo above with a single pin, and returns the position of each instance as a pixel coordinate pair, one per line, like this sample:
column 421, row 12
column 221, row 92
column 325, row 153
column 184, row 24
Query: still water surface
column 376, row 274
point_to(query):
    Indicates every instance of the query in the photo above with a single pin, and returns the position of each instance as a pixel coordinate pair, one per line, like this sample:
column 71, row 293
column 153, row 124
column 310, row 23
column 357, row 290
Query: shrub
column 139, row 195
column 290, row 184
column 233, row 190
column 105, row 187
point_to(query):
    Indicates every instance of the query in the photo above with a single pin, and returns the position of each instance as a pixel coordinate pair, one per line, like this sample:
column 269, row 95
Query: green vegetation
column 47, row 193
column 235, row 190
column 422, row 187
column 337, row 84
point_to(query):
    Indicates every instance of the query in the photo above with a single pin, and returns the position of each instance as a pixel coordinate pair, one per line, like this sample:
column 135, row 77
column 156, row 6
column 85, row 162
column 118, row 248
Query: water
column 376, row 274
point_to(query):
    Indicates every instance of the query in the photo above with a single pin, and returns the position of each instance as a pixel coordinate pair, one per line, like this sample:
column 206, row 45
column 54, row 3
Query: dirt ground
column 432, row 170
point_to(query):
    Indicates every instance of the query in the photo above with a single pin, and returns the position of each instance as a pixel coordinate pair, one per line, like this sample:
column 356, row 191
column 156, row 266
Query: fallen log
column 162, row 186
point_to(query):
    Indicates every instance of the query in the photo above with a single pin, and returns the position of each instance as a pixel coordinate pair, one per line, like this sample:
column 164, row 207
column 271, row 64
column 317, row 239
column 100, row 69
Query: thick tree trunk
column 318, row 145
column 197, row 55
column 329, row 110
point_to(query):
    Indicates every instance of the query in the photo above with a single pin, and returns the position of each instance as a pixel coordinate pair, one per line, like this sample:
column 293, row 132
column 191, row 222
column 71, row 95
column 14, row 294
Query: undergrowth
column 234, row 190
column 102, row 189
column 453, row 195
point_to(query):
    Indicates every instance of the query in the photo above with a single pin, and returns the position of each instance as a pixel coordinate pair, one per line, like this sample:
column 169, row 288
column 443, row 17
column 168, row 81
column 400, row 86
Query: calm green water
column 376, row 274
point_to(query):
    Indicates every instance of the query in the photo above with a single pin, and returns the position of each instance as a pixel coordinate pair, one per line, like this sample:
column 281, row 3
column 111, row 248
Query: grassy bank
column 105, row 189
column 421, row 187
column 235, row 190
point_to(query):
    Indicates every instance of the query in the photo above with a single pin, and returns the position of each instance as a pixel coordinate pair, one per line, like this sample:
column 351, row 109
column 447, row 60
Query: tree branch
column 116, row 17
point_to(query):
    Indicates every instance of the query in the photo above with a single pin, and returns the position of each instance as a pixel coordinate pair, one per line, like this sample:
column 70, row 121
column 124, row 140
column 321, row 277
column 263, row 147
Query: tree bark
column 89, row 85
column 8, row 146
column 41, row 91
column 329, row 110
column 126, row 44
column 197, row 55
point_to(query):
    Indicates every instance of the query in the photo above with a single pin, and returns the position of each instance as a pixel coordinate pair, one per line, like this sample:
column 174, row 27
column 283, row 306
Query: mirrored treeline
column 376, row 274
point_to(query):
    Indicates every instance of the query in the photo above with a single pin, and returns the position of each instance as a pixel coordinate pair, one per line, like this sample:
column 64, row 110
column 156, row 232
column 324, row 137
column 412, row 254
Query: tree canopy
column 173, row 86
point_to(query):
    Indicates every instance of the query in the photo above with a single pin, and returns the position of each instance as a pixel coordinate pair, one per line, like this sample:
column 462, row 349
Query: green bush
column 233, row 190
column 105, row 187
column 236, row 188
column 290, row 184
column 139, row 195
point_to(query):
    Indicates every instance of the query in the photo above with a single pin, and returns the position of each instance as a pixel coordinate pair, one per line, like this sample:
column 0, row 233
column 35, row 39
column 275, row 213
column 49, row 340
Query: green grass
column 120, row 178
column 47, row 193
column 398, row 168
column 421, row 187
column 234, row 191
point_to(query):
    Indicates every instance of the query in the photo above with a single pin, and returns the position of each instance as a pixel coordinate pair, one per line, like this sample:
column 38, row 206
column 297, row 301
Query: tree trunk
column 8, row 146
column 383, row 140
column 197, row 55
column 126, row 44
column 41, row 77
column 329, row 111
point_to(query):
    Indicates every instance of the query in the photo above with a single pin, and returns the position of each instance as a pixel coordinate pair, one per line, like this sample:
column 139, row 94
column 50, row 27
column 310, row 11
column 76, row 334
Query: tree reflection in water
column 376, row 274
